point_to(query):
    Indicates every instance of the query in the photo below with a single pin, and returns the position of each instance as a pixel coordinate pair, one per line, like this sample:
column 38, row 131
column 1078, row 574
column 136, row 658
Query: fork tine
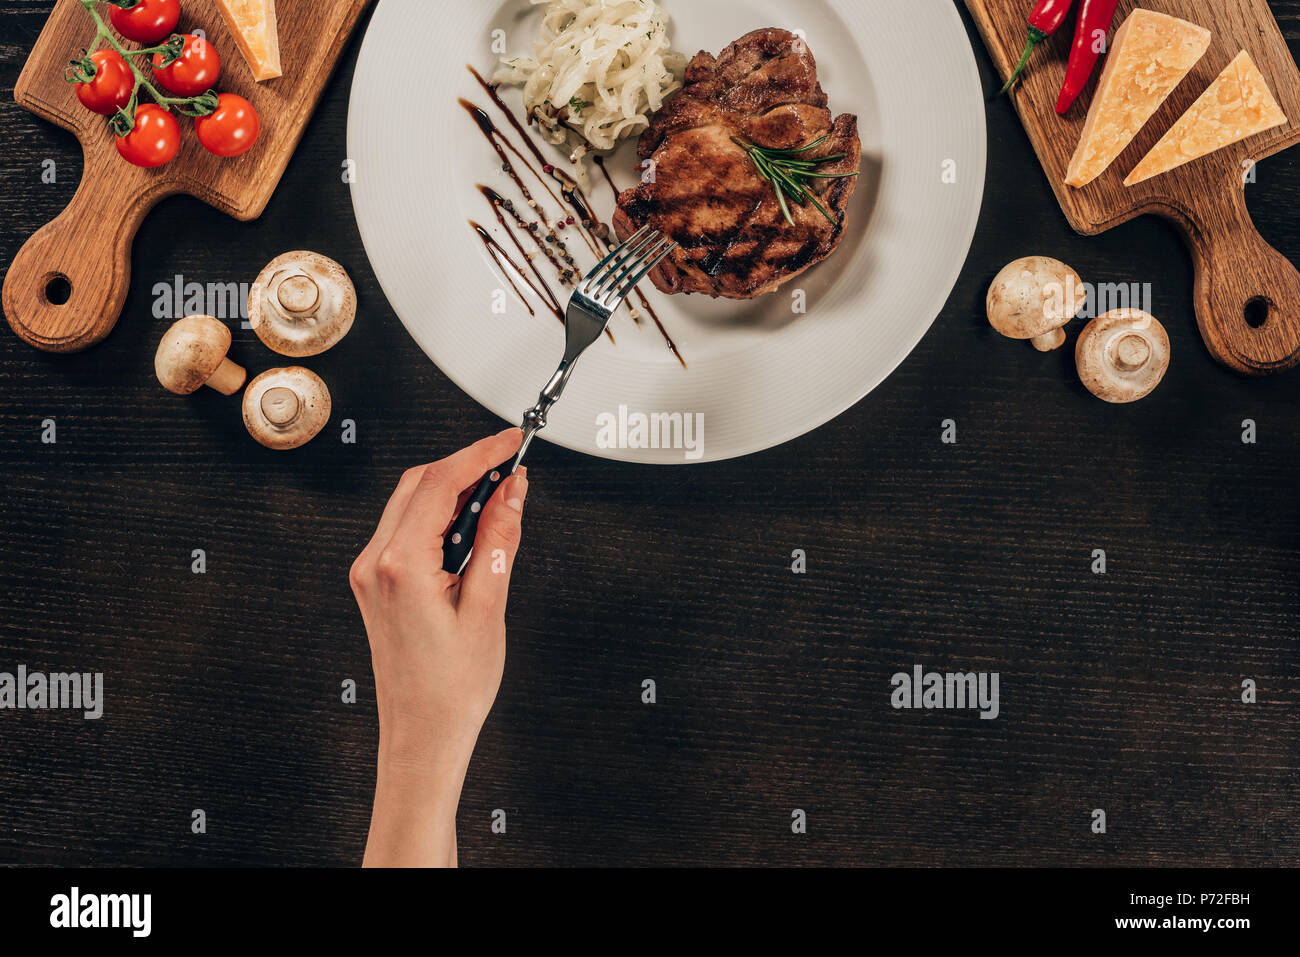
column 655, row 257
column 611, row 261
column 635, row 237
column 630, row 266
column 630, row 250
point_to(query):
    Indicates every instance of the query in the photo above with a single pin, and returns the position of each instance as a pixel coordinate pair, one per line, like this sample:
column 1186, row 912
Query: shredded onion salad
column 599, row 68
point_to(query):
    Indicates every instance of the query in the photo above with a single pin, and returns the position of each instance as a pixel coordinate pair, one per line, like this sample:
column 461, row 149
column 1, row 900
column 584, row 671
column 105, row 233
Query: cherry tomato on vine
column 148, row 22
column 154, row 140
column 111, row 87
column 231, row 130
column 195, row 72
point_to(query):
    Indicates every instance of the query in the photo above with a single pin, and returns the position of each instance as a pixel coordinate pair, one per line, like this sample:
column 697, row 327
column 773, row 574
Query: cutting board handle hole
column 1257, row 312
column 58, row 289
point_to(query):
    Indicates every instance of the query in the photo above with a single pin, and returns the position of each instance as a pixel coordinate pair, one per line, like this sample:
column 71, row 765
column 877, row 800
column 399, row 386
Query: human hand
column 437, row 645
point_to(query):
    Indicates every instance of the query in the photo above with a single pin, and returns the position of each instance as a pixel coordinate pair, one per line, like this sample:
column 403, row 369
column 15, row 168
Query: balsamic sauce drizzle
column 498, row 139
column 569, row 188
column 497, row 206
column 502, row 259
column 566, row 269
column 594, row 233
column 600, row 161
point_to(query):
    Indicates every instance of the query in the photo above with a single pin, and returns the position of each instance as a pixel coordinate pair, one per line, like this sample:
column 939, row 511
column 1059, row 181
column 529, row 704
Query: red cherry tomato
column 154, row 140
column 110, row 88
column 232, row 129
column 148, row 22
column 195, row 72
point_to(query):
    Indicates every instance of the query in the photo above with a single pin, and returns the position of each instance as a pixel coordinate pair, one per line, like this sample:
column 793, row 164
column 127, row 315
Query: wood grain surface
column 115, row 196
column 1235, row 268
column 1119, row 691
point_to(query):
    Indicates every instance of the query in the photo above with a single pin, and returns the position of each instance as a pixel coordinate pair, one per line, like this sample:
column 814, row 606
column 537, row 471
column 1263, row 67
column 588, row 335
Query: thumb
column 486, row 583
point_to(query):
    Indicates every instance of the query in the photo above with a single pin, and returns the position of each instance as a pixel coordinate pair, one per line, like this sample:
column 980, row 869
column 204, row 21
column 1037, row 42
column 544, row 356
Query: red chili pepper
column 1043, row 22
column 1095, row 18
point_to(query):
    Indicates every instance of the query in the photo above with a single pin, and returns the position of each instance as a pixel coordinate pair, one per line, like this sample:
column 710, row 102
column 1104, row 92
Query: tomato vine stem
column 123, row 121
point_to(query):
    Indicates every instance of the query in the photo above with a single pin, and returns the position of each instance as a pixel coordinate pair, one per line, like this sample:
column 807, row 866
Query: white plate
column 758, row 373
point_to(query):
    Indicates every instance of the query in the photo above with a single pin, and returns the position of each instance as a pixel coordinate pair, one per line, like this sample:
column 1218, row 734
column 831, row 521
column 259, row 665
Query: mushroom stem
column 1132, row 353
column 228, row 378
column 298, row 295
column 280, row 406
column 1049, row 340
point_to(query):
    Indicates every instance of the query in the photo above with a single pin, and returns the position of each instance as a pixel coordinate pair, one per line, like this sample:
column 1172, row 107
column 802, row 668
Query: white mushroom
column 1032, row 298
column 1123, row 355
column 286, row 408
column 302, row 304
column 192, row 354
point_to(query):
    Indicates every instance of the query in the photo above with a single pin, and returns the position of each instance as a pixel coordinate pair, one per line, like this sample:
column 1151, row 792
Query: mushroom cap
column 286, row 408
column 190, row 352
column 302, row 304
column 1123, row 355
column 1034, row 296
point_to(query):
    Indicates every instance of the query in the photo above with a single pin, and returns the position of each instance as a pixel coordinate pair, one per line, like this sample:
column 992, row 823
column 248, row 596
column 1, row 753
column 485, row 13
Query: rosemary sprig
column 788, row 173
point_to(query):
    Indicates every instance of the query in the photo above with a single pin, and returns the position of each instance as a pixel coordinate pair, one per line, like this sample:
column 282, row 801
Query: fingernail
column 518, row 492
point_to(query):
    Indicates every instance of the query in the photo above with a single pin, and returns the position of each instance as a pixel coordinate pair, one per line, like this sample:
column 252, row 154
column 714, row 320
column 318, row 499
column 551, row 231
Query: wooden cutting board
column 89, row 245
column 1247, row 294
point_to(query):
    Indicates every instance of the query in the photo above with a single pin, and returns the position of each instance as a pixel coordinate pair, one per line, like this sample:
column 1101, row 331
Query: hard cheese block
column 1238, row 104
column 1150, row 55
column 253, row 25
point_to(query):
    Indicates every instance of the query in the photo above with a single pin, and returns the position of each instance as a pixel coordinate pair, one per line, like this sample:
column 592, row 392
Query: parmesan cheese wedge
column 1238, row 104
column 252, row 23
column 1149, row 56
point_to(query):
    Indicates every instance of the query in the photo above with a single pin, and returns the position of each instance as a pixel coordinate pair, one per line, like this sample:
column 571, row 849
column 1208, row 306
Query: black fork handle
column 459, row 540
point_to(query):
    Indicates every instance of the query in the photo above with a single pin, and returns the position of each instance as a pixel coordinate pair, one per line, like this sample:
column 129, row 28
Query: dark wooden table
column 1119, row 691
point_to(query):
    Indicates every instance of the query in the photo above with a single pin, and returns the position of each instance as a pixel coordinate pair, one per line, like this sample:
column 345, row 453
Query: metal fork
column 592, row 304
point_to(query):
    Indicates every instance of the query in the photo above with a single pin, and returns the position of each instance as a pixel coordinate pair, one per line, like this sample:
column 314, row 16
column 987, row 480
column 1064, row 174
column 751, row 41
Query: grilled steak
column 703, row 189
